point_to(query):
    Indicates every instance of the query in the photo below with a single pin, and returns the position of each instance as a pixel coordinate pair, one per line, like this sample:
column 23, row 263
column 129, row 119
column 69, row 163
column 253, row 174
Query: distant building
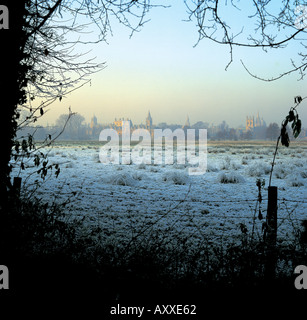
column 256, row 126
column 148, row 122
column 118, row 125
column 252, row 122
column 187, row 124
column 94, row 128
column 93, row 122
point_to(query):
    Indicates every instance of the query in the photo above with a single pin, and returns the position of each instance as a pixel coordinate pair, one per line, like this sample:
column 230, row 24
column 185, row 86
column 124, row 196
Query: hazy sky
column 160, row 70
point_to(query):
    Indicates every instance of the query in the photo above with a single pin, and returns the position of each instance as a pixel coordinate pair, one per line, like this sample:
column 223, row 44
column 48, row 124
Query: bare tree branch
column 269, row 26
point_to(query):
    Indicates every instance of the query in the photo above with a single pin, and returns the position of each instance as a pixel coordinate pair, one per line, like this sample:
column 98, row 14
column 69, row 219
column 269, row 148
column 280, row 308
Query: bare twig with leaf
column 296, row 125
column 26, row 149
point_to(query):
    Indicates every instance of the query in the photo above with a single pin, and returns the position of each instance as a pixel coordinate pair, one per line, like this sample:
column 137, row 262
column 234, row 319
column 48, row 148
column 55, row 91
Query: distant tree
column 162, row 125
column 223, row 129
column 272, row 131
column 200, row 125
column 232, row 134
column 221, row 135
column 75, row 129
column 223, row 126
column 248, row 135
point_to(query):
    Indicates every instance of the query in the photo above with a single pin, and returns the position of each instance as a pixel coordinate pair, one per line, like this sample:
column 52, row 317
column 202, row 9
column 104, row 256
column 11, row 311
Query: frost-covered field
column 127, row 201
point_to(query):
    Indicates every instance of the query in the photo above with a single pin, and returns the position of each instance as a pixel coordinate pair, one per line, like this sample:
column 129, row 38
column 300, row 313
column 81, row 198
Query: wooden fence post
column 271, row 235
column 272, row 215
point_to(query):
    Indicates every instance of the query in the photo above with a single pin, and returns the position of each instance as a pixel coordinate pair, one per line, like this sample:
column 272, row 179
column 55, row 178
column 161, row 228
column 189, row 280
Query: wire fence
column 123, row 198
column 132, row 214
column 133, row 199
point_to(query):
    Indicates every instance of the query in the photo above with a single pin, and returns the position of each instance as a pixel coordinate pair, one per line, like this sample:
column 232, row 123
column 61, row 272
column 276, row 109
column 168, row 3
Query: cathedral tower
column 148, row 121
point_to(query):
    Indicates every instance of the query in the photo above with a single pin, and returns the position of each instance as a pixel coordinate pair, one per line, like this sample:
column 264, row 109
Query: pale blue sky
column 160, row 70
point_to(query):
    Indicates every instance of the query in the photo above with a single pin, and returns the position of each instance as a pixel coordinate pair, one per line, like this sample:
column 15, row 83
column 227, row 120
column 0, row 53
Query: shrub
column 235, row 166
column 122, row 179
column 281, row 171
column 230, row 178
column 244, row 160
column 138, row 176
column 295, row 181
column 142, row 166
column 225, row 165
column 257, row 169
column 304, row 174
column 175, row 177
column 154, row 169
column 69, row 165
column 211, row 168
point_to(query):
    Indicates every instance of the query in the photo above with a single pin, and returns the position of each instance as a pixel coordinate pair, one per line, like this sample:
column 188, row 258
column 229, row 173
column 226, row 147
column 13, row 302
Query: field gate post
column 271, row 221
column 272, row 215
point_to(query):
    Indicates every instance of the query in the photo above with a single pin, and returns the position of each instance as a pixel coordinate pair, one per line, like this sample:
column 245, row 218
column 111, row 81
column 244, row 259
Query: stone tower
column 148, row 121
column 249, row 123
column 93, row 122
column 187, row 123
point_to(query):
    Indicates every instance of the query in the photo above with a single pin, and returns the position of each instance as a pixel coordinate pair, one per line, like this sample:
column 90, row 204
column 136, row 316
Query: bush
column 175, row 177
column 304, row 174
column 39, row 227
column 230, row 178
column 244, row 160
column 122, row 179
column 281, row 171
column 295, row 181
column 225, row 165
column 142, row 166
column 258, row 169
column 138, row 176
column 211, row 168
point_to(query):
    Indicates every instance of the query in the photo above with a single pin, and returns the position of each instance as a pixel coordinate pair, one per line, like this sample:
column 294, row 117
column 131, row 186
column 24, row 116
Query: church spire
column 187, row 122
column 148, row 120
column 149, row 115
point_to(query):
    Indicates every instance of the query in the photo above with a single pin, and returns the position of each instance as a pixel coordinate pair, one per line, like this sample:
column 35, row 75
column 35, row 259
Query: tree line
column 77, row 129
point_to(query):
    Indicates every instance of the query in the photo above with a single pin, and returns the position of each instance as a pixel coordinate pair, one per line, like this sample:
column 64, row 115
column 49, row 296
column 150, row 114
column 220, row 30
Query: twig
column 273, row 163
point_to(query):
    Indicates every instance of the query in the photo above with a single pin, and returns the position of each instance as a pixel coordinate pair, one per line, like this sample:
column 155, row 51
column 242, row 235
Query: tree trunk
column 12, row 82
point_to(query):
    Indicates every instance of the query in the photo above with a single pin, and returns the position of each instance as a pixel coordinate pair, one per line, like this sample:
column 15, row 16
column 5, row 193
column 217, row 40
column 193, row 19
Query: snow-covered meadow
column 131, row 201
